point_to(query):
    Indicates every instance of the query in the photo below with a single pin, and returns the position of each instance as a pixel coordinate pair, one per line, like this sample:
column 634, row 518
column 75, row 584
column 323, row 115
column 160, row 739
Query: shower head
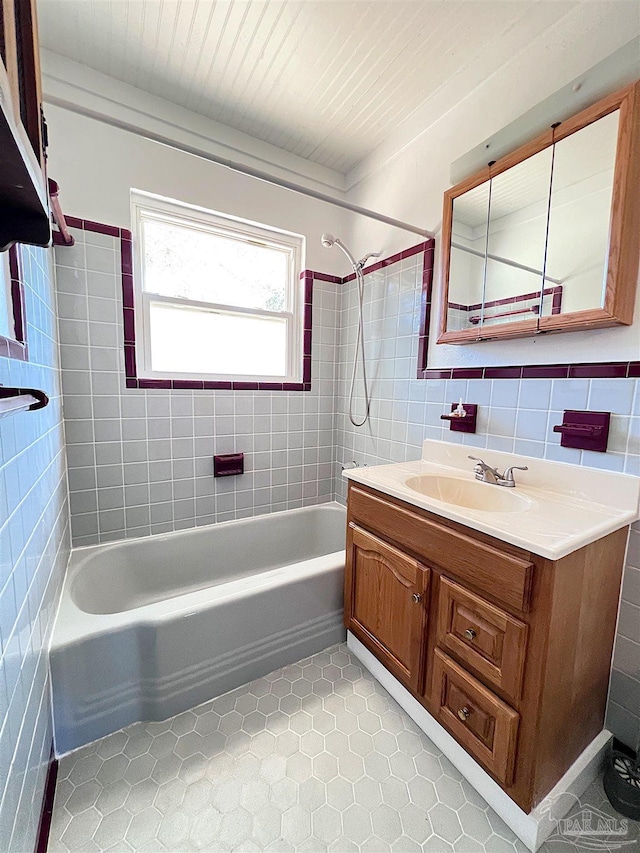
column 328, row 240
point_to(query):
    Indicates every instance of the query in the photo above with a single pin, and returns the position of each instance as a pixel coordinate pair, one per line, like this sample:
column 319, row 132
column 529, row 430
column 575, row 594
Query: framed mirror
column 547, row 239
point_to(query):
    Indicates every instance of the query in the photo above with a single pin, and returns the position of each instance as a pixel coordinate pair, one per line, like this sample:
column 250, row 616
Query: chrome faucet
column 486, row 474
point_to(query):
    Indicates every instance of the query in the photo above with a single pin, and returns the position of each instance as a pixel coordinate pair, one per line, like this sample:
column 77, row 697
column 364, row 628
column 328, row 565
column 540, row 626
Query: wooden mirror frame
column 624, row 238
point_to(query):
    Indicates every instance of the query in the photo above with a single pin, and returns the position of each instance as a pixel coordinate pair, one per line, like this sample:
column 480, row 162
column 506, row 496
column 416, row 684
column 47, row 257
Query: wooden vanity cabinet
column 509, row 651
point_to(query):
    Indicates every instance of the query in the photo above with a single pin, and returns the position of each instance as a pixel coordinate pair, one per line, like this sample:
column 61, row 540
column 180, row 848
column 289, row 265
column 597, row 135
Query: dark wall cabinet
column 24, row 206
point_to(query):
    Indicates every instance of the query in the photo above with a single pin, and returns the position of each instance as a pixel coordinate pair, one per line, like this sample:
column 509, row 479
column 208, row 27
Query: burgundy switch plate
column 584, row 430
column 228, row 464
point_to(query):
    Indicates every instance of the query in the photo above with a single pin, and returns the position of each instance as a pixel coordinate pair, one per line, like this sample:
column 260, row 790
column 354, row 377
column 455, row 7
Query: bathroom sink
column 470, row 494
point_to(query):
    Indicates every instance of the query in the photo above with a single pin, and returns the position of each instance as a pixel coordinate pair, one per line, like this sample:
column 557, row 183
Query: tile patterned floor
column 314, row 757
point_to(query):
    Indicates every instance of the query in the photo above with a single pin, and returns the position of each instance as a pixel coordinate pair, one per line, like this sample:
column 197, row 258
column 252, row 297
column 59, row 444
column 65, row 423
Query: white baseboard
column 533, row 828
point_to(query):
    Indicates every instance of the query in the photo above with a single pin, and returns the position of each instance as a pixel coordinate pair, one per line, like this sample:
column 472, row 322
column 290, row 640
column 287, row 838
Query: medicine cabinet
column 547, row 238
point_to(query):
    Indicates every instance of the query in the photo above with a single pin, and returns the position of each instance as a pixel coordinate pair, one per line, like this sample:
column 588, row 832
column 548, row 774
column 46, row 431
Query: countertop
column 568, row 506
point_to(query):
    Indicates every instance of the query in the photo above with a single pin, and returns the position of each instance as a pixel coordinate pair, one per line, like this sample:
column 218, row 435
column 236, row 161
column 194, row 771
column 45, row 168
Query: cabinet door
column 386, row 603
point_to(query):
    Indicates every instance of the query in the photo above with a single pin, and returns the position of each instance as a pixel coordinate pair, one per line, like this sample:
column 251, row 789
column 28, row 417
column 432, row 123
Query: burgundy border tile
column 556, row 292
column 306, row 369
column 545, row 371
column 213, row 385
column 152, row 383
column 129, row 325
column 46, row 812
column 436, row 373
column 423, row 343
column 100, row 228
column 130, row 361
column 606, row 370
column 128, row 299
column 467, row 373
column 425, row 300
column 502, row 372
column 188, row 384
column 74, row 222
column 126, row 256
column 322, row 276
column 602, row 370
column 308, row 291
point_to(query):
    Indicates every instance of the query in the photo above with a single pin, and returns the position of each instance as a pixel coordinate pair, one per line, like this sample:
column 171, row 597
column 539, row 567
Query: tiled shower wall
column 141, row 461
column 34, row 548
column 516, row 416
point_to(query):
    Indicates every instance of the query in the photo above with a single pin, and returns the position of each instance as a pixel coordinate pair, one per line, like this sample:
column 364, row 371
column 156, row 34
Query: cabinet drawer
column 482, row 723
column 485, row 638
column 501, row 575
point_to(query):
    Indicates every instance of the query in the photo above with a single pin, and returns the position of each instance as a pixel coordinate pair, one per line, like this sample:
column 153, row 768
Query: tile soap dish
column 463, row 417
column 584, row 430
column 228, row 464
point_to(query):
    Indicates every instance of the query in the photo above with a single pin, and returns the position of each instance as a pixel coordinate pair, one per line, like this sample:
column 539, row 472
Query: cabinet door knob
column 463, row 713
column 470, row 634
column 417, row 598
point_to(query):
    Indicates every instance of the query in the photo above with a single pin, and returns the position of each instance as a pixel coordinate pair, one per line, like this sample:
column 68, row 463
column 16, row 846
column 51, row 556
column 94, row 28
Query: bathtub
column 150, row 627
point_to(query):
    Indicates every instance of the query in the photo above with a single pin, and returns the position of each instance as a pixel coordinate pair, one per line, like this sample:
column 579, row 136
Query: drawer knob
column 470, row 634
column 417, row 598
column 463, row 713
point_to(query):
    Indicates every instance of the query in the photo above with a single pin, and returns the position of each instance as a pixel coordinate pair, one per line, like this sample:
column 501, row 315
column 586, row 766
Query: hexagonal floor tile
column 313, row 757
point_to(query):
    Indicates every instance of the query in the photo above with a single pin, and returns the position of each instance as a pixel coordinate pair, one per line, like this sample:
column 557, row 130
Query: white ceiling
column 327, row 81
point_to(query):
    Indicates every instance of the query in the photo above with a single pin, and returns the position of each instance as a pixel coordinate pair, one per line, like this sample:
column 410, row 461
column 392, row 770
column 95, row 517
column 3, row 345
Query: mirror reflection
column 580, row 213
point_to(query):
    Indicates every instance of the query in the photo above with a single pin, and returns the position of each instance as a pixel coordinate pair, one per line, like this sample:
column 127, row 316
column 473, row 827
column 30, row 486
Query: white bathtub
column 150, row 627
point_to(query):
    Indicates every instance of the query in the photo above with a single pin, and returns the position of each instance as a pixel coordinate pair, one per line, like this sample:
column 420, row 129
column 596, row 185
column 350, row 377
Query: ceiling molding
column 82, row 90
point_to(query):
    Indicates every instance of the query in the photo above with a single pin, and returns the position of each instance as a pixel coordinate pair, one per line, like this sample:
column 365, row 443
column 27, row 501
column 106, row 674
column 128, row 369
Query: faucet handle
column 480, row 468
column 507, row 477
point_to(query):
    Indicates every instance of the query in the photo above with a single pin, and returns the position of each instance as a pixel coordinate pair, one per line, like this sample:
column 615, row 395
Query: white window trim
column 147, row 205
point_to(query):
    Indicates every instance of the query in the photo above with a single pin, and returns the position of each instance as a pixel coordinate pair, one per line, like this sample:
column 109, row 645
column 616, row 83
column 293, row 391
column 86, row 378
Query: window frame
column 148, row 206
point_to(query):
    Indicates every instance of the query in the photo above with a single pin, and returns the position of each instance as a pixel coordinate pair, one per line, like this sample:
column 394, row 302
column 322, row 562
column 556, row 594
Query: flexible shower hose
column 359, row 346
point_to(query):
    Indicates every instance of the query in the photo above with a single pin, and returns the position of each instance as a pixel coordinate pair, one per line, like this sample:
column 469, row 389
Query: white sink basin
column 470, row 494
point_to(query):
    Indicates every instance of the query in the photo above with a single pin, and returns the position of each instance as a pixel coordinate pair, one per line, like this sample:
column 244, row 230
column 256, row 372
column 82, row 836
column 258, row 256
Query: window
column 216, row 298
column 13, row 342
